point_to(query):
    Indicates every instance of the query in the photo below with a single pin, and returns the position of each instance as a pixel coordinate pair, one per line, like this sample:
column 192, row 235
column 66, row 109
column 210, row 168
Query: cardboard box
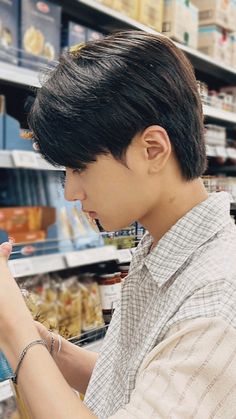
column 26, row 219
column 129, row 8
column 215, row 12
column 151, row 13
column 216, row 43
column 73, row 34
column 40, row 32
column 9, row 40
column 180, row 21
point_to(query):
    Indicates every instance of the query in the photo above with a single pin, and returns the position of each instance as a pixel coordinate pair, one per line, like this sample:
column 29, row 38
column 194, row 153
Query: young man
column 124, row 116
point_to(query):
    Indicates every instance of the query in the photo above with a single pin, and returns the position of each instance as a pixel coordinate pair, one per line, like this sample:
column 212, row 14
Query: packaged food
column 40, row 32
column 215, row 12
column 8, row 402
column 69, row 308
column 180, row 21
column 215, row 42
column 91, row 303
column 151, row 13
column 26, row 219
column 93, row 35
column 129, row 8
column 73, row 34
column 9, row 15
column 110, row 293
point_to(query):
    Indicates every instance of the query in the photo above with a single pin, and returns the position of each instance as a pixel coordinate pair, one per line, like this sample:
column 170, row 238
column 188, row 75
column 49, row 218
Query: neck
column 173, row 205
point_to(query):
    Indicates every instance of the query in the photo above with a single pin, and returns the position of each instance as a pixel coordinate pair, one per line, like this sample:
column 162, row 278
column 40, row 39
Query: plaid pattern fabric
column 191, row 273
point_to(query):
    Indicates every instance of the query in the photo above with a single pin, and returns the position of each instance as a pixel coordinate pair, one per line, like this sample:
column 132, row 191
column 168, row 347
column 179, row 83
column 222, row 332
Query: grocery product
column 151, row 13
column 215, row 12
column 40, row 32
column 129, row 8
column 233, row 47
column 91, row 303
column 215, row 42
column 180, row 21
column 73, row 34
column 9, row 15
column 93, row 35
column 69, row 308
column 26, row 219
column 108, row 3
column 110, row 293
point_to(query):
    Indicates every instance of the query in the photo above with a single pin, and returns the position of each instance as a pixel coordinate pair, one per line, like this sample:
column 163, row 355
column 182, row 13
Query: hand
column 14, row 315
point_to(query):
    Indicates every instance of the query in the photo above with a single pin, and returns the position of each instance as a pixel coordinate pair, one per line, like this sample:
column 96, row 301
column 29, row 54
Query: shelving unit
column 58, row 261
column 25, row 160
column 107, row 20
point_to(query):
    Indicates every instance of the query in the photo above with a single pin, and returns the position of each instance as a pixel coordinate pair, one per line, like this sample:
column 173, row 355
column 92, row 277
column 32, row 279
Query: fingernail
column 11, row 240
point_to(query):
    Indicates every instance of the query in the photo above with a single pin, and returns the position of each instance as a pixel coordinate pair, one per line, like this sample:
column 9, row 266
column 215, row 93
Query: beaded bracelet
column 22, row 355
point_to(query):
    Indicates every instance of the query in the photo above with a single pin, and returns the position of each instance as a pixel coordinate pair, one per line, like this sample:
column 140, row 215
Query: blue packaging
column 73, row 34
column 9, row 39
column 40, row 32
column 93, row 35
column 5, row 369
column 12, row 139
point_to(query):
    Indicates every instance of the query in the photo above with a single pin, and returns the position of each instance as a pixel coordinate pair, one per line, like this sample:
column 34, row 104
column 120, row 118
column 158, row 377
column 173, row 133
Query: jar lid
column 110, row 275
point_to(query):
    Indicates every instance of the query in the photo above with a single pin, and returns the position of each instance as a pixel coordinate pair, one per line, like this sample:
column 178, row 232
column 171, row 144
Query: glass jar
column 110, row 293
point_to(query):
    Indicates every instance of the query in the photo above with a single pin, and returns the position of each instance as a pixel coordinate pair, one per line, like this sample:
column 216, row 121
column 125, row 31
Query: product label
column 110, row 295
column 9, row 30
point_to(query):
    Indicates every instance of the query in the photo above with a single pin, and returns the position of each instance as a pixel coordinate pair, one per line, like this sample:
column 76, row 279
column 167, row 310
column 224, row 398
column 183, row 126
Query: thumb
column 5, row 250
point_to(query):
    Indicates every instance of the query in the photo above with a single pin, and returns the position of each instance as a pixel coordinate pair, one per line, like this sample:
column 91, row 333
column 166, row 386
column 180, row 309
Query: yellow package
column 91, row 306
column 129, row 8
column 151, row 13
column 108, row 3
column 69, row 309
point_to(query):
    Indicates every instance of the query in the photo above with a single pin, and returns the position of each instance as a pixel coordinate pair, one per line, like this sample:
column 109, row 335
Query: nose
column 73, row 190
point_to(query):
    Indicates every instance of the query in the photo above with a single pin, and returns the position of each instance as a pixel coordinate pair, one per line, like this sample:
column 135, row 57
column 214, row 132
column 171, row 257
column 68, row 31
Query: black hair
column 101, row 95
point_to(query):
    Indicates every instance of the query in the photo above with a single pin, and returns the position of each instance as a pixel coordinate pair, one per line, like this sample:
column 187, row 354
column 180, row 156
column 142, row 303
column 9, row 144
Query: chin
column 113, row 225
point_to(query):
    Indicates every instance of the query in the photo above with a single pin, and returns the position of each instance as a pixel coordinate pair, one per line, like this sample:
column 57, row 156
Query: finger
column 5, row 250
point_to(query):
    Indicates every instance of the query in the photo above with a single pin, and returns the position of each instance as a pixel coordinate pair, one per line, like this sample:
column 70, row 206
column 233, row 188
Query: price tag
column 21, row 267
column 124, row 255
column 89, row 256
column 5, row 390
column 26, row 159
column 221, row 151
column 210, row 151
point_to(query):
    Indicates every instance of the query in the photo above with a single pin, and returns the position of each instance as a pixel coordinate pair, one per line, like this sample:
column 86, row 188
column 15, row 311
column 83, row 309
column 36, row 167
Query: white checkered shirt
column 190, row 274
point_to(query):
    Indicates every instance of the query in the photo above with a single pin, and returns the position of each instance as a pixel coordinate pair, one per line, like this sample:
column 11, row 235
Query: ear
column 157, row 146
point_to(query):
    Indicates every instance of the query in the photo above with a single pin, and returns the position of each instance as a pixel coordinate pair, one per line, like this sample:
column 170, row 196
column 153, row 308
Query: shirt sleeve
column 189, row 375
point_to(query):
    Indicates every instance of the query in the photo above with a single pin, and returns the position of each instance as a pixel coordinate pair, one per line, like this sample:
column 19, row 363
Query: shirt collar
column 189, row 233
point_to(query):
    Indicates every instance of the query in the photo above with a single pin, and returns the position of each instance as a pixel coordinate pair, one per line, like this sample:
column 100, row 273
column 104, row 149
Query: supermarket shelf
column 19, row 75
column 219, row 114
column 24, row 159
column 58, row 261
column 110, row 20
column 227, row 170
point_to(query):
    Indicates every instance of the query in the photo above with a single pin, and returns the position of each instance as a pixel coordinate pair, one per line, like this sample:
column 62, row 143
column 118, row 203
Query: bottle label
column 110, row 295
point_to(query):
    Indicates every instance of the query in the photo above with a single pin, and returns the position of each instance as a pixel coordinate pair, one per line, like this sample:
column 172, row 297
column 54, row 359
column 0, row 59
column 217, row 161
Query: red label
column 43, row 7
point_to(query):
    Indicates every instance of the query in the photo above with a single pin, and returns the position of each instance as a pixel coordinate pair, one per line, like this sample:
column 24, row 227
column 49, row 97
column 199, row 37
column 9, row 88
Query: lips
column 92, row 214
